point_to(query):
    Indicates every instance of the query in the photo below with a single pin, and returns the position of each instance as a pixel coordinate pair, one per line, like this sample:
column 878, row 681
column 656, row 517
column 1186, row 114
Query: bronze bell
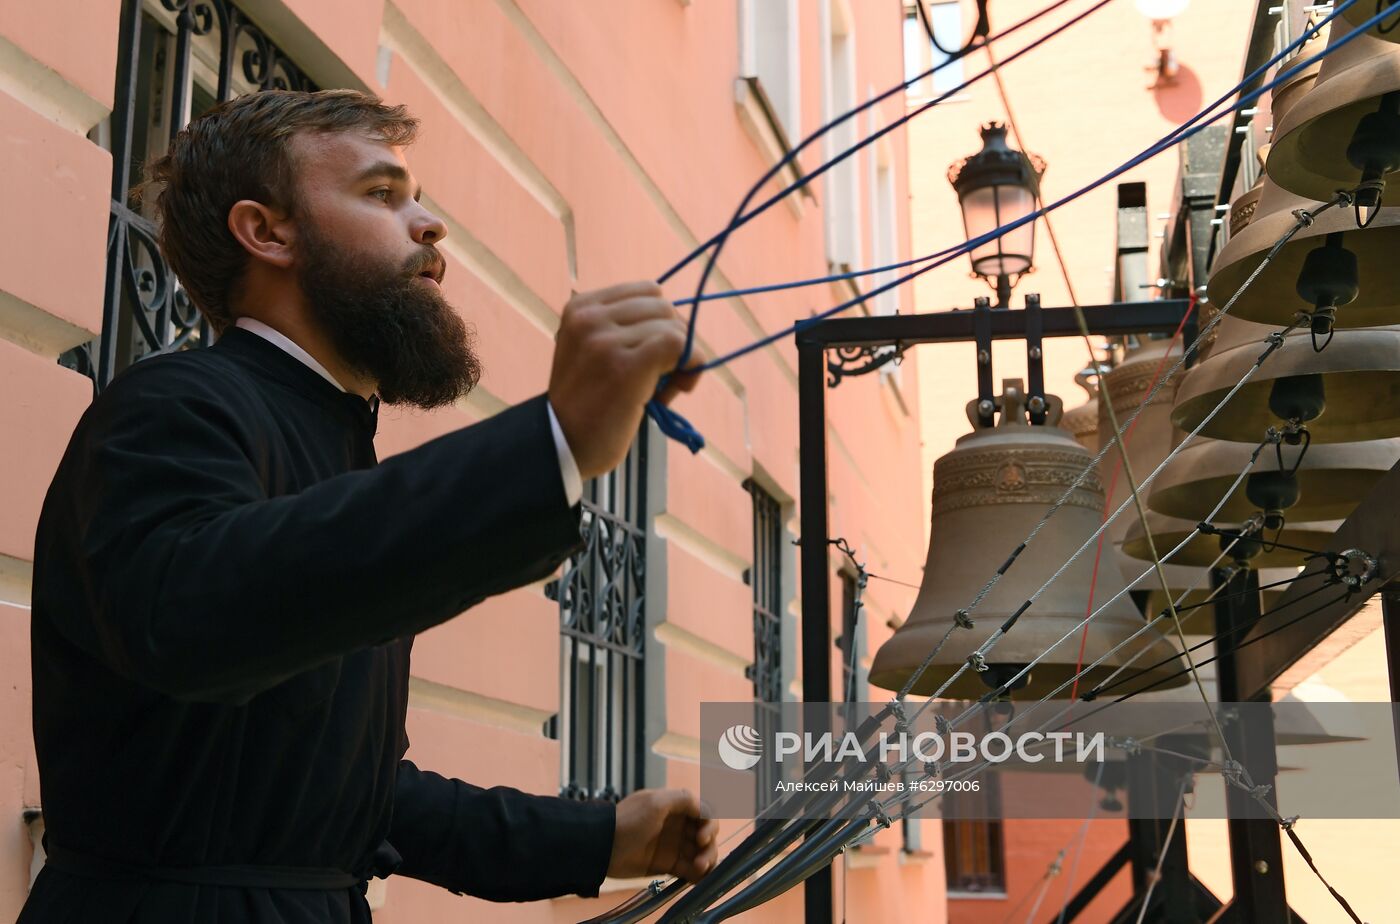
column 1082, row 422
column 1152, row 436
column 1348, row 392
column 1345, row 131
column 1203, row 550
column 989, row 491
column 1286, row 95
column 1200, row 590
column 1387, row 29
column 1328, row 484
column 1330, row 268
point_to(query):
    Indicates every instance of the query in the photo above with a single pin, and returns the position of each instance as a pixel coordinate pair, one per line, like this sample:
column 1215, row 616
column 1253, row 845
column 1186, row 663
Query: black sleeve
column 189, row 579
column 499, row 844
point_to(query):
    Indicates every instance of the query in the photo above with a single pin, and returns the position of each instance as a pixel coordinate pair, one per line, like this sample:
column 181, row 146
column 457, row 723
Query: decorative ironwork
column 765, row 578
column 177, row 59
column 602, row 608
column 766, row 672
column 861, row 360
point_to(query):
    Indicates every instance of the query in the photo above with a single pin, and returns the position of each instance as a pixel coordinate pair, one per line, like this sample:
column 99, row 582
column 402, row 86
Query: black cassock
column 226, row 589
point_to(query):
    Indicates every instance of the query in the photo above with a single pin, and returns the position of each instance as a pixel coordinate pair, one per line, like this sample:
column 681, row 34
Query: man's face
column 369, row 270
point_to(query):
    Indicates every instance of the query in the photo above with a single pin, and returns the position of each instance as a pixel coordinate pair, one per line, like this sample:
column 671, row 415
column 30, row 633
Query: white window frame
column 768, row 90
column 842, row 182
column 920, row 55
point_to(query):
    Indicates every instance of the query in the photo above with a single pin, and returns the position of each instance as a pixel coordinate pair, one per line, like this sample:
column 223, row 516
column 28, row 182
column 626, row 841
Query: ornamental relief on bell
column 1014, row 477
column 1128, row 387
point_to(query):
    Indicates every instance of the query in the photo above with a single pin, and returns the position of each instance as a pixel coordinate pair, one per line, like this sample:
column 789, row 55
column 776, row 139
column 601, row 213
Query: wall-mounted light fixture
column 1161, row 13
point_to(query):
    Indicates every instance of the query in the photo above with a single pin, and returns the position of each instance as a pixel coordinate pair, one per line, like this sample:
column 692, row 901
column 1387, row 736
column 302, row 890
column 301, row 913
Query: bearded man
column 227, row 584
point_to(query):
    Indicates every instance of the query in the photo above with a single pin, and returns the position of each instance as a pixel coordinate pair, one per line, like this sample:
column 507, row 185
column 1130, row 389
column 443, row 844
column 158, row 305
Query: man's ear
column 266, row 234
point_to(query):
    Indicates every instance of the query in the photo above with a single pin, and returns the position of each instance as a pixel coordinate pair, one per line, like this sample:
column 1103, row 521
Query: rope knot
column 941, row 723
column 963, row 619
column 978, row 662
column 1288, row 823
column 901, row 718
column 1305, row 218
column 881, row 816
column 1127, row 745
column 933, row 768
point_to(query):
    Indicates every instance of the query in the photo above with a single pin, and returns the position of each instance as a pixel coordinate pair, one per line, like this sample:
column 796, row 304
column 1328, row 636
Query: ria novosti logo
column 740, row 747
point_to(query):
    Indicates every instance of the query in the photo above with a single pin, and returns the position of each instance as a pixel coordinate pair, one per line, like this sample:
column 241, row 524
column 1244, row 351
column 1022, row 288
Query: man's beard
column 388, row 326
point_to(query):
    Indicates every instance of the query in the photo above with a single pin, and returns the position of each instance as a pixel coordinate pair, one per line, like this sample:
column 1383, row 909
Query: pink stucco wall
column 570, row 147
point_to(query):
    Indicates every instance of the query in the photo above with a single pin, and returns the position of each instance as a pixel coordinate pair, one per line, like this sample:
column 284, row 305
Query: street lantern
column 996, row 186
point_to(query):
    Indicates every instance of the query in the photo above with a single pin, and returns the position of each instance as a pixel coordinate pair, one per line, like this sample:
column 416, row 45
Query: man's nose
column 425, row 227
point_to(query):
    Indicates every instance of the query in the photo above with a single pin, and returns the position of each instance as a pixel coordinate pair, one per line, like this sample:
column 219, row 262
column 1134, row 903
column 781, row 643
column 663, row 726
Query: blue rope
column 673, row 424
column 678, row 428
column 1168, row 140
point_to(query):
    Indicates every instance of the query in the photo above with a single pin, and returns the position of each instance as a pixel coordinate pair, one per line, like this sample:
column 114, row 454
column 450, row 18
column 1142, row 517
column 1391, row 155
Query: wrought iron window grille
column 602, row 608
column 176, row 60
column 766, row 672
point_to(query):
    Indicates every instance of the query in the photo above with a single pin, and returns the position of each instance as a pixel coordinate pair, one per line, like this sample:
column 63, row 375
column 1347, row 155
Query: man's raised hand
column 612, row 348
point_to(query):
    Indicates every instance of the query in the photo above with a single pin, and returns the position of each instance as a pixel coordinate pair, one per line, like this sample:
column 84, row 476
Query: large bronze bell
column 1328, row 484
column 1348, row 392
column 1345, row 131
column 989, row 491
column 1330, row 267
column 1387, row 29
column 1152, row 435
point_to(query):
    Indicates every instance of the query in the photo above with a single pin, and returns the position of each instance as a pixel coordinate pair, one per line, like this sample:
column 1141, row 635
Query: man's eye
column 381, row 194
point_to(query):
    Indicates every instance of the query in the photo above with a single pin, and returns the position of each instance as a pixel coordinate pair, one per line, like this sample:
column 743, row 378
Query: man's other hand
column 661, row 831
column 612, row 349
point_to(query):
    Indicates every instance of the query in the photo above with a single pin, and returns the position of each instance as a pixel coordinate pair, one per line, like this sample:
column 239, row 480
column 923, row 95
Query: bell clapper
column 1375, row 151
column 1329, row 279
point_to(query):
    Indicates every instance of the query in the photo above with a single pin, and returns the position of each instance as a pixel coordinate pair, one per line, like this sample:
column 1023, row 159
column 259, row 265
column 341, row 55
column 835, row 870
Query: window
column 884, row 232
column 850, row 642
column 911, row 826
column 842, row 207
column 171, row 66
column 602, row 596
column 765, row 579
column 768, row 53
column 973, row 854
column 920, row 54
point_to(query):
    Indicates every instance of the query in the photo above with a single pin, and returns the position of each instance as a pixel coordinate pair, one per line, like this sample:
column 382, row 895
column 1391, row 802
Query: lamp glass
column 988, row 208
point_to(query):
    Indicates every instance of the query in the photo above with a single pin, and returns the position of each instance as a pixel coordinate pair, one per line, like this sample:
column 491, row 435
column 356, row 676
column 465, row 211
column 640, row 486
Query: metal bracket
column 982, row 337
column 860, row 360
column 1035, row 361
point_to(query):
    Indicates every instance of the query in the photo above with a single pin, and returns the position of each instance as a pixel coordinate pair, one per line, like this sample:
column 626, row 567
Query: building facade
column 567, row 147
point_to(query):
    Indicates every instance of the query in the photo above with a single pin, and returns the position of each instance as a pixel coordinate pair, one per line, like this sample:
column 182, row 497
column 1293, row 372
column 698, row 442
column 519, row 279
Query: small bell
column 1328, row 484
column 1253, row 547
column 1388, row 29
column 1345, row 132
column 1329, row 268
column 1348, row 392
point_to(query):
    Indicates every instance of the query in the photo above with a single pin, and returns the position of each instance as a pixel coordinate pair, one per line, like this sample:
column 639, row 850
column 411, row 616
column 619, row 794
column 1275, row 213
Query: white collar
column 280, row 340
